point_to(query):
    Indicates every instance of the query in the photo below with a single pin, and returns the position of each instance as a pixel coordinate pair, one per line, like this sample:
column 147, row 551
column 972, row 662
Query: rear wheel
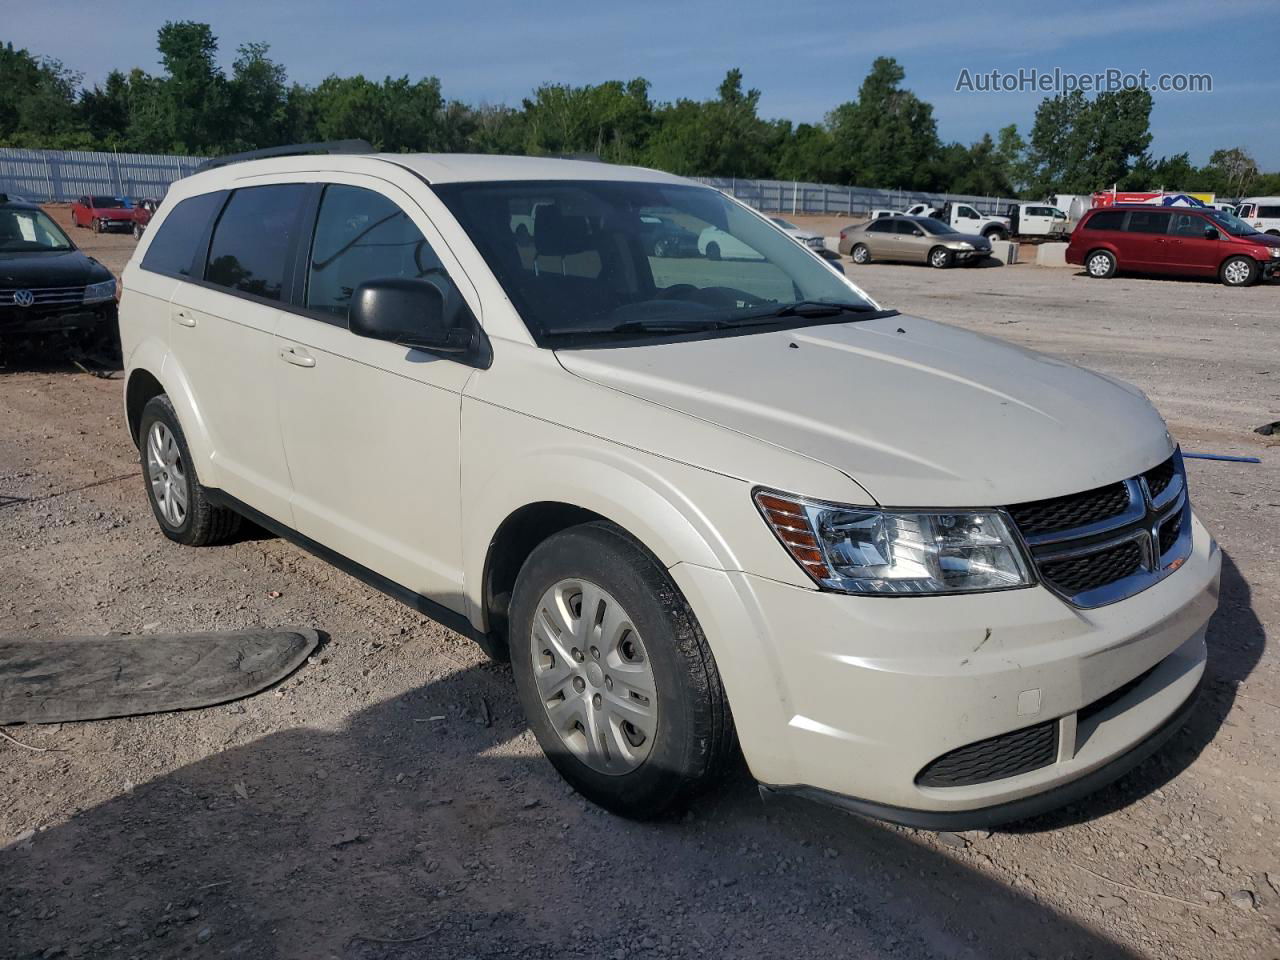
column 713, row 251
column 861, row 254
column 940, row 258
column 1239, row 271
column 181, row 505
column 614, row 674
column 137, row 231
column 97, row 225
column 1100, row 264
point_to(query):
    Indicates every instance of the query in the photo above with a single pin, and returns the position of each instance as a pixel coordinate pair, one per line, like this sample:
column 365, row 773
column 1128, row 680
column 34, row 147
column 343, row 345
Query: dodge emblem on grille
column 23, row 298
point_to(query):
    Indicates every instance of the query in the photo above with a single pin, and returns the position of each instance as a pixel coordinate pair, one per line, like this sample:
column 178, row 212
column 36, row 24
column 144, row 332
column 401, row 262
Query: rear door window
column 173, row 250
column 880, row 226
column 1107, row 220
column 1269, row 213
column 251, row 242
column 1143, row 221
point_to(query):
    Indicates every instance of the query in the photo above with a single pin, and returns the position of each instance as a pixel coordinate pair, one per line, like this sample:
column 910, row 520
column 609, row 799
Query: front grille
column 44, row 296
column 1159, row 478
column 1170, row 529
column 1111, row 542
column 1078, row 574
column 995, row 758
column 1075, row 510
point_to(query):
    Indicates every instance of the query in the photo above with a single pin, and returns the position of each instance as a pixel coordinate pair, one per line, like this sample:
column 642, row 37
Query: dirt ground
column 388, row 802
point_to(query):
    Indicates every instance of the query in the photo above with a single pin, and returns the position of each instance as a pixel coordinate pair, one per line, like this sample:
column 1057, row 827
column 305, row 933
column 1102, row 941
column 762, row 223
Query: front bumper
column 54, row 318
column 853, row 697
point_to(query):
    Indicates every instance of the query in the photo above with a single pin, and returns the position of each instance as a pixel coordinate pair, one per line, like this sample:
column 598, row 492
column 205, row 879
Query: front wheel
column 137, row 231
column 615, row 677
column 1101, row 264
column 861, row 254
column 996, row 234
column 1239, row 272
column 180, row 503
column 940, row 258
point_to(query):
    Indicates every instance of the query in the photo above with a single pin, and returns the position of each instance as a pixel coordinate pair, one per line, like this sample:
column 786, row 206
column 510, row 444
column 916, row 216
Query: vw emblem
column 23, row 298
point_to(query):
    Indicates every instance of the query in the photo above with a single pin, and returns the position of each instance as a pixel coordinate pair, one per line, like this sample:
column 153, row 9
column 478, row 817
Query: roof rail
column 289, row 150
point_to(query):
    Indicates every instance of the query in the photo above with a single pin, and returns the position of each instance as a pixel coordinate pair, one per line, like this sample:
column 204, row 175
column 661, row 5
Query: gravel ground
column 388, row 802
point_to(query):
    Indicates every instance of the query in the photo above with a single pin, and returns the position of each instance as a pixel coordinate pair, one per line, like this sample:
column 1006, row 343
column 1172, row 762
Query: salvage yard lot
column 389, row 791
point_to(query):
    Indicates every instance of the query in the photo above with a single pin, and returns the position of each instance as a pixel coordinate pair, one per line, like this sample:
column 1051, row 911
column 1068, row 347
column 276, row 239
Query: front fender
column 657, row 508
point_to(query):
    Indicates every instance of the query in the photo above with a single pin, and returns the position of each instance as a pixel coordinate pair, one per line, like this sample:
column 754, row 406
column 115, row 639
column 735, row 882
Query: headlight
column 95, row 292
column 1275, row 251
column 962, row 245
column 865, row 550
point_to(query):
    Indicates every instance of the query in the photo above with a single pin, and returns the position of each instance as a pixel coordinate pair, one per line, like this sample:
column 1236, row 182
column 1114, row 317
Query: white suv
column 706, row 505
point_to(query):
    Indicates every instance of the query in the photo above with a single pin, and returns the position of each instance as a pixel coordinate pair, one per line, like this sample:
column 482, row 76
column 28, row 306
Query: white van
column 704, row 505
column 1261, row 213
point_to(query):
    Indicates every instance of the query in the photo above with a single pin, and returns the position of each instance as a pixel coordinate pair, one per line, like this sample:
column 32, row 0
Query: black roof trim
column 289, row 150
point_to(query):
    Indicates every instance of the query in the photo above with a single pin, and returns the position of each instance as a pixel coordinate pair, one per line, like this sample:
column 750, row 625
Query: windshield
column 575, row 258
column 934, row 226
column 106, row 203
column 30, row 231
column 1230, row 223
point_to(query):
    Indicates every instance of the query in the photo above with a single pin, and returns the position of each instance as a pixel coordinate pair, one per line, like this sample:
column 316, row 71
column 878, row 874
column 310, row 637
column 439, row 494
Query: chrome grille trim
column 44, row 295
column 1141, row 522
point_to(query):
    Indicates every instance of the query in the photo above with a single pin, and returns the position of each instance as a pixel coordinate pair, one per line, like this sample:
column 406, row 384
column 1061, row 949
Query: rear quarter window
column 173, row 249
column 1268, row 213
column 1107, row 220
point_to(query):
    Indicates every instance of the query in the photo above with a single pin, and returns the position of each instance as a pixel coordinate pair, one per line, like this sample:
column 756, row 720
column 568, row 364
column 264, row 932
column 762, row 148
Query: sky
column 805, row 57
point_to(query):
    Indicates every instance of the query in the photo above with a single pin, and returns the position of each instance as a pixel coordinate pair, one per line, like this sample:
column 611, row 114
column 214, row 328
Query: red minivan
column 1190, row 241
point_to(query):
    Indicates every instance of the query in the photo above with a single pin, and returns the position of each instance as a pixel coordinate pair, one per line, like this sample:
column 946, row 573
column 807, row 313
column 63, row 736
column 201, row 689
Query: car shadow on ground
column 1236, row 639
column 418, row 830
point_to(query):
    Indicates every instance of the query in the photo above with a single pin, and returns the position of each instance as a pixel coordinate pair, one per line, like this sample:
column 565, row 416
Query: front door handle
column 184, row 318
column 298, row 357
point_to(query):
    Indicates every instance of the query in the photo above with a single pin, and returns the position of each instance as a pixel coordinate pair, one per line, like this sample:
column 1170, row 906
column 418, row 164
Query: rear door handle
column 184, row 318
column 298, row 357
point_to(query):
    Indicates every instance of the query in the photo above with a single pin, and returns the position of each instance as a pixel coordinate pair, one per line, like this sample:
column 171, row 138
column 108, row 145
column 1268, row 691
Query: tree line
column 886, row 137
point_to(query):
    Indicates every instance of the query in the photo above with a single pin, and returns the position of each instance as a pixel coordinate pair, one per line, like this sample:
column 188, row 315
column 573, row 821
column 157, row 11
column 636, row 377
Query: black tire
column 1273, row 233
column 97, row 225
column 203, row 524
column 860, row 249
column 137, row 231
column 1239, row 271
column 713, row 251
column 941, row 258
column 694, row 742
column 1100, row 264
column 996, row 233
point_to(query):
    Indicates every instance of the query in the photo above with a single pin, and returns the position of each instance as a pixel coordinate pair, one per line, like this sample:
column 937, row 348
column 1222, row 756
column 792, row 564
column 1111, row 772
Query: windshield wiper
column 656, row 325
column 808, row 309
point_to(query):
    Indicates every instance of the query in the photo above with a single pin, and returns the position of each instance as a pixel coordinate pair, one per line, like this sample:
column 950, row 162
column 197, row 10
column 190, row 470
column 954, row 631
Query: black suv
column 46, row 284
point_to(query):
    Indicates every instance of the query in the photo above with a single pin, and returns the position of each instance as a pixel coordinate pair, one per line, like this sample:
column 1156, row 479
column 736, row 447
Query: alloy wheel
column 1237, row 272
column 593, row 677
column 1099, row 265
column 167, row 475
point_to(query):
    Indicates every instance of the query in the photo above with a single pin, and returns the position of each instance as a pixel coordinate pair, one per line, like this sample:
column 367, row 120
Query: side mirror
column 1211, row 233
column 408, row 312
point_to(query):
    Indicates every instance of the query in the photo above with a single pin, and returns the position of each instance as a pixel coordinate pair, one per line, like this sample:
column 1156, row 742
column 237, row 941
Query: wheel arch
column 154, row 371
column 555, row 491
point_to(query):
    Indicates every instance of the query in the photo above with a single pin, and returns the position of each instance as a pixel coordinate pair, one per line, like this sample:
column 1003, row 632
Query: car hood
column 916, row 412
column 1263, row 240
column 68, row 268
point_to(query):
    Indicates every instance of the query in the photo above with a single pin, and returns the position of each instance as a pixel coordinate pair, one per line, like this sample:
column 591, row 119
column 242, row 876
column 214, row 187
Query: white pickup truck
column 964, row 218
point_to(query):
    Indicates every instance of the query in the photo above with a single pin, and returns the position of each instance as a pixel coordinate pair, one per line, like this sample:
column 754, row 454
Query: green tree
column 38, row 101
column 1230, row 172
column 196, row 101
column 724, row 137
column 888, row 136
column 105, row 110
column 258, row 98
column 1079, row 145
